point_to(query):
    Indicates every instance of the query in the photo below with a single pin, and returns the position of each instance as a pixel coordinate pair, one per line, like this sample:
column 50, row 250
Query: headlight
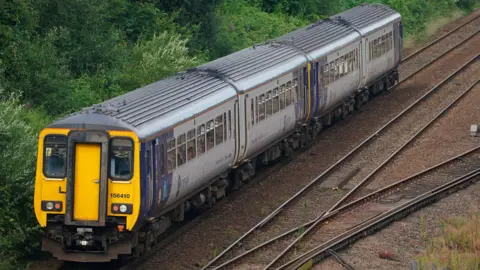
column 122, row 208
column 54, row 206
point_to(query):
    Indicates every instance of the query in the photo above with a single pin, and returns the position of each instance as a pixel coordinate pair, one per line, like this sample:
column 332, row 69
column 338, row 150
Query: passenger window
column 295, row 92
column 261, row 108
column 288, row 97
column 218, row 130
column 383, row 45
column 191, row 145
column 121, row 159
column 201, row 139
column 269, row 103
column 210, row 135
column 171, row 155
column 325, row 75
column 181, row 150
column 341, row 70
column 331, row 76
column 162, row 160
column 276, row 100
column 55, row 156
column 356, row 59
column 282, row 98
column 352, row 61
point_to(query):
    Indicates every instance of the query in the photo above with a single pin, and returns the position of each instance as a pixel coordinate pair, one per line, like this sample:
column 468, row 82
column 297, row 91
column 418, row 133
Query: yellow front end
column 88, row 182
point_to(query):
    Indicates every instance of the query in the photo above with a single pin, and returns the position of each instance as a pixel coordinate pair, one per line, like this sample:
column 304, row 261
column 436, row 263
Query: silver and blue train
column 113, row 177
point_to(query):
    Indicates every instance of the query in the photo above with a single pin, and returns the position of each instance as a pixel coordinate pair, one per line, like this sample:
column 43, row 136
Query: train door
column 322, row 71
column 162, row 185
column 149, row 156
column 314, row 97
column 164, row 167
column 364, row 51
column 246, row 124
column 236, row 136
column 154, row 172
column 87, row 178
column 304, row 93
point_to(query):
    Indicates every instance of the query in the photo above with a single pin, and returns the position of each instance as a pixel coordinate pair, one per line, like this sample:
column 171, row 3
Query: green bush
column 238, row 25
column 18, row 228
column 468, row 4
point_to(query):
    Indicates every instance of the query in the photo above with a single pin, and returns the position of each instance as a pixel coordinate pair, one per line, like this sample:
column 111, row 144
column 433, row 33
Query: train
column 114, row 177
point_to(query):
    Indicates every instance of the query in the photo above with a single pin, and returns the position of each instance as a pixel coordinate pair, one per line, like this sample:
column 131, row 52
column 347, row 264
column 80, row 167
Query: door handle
column 96, row 181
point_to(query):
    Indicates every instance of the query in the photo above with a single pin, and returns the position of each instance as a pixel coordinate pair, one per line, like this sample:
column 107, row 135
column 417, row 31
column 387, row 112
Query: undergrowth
column 457, row 247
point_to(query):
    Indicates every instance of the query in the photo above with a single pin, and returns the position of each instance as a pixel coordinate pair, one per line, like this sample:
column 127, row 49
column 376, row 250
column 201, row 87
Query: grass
column 458, row 246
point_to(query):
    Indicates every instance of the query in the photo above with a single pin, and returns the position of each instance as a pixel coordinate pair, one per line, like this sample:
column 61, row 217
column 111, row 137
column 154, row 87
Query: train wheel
column 344, row 111
column 358, row 101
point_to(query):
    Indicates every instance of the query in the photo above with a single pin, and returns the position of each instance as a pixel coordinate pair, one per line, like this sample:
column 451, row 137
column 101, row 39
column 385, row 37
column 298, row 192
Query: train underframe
column 108, row 243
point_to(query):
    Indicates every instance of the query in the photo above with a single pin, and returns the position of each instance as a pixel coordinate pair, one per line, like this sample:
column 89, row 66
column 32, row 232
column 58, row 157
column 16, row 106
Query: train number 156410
column 120, row 195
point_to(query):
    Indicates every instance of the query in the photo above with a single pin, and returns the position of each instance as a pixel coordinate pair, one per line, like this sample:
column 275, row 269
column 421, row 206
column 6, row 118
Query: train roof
column 167, row 102
column 155, row 107
column 328, row 35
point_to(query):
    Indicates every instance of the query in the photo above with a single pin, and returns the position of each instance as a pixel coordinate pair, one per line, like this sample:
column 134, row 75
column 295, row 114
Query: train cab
column 87, row 190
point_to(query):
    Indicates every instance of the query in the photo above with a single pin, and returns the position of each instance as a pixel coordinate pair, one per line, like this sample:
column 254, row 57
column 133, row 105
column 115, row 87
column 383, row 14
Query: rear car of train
column 87, row 192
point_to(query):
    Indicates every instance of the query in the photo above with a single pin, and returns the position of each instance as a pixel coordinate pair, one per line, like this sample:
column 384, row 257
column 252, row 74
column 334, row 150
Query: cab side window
column 55, row 156
column 121, row 159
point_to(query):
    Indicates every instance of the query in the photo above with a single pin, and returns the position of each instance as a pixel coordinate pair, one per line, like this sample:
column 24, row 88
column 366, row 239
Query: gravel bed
column 391, row 139
column 236, row 216
column 435, row 144
column 449, row 137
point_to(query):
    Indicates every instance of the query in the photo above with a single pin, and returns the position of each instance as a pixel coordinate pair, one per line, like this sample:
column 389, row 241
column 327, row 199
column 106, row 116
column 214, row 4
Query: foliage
column 163, row 55
column 238, row 25
column 18, row 229
column 458, row 246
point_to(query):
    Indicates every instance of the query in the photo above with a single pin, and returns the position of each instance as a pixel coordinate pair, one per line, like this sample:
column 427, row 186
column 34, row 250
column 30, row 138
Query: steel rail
column 365, row 180
column 356, row 203
column 275, row 212
column 438, row 39
column 382, row 219
column 376, row 170
column 340, row 260
column 472, row 86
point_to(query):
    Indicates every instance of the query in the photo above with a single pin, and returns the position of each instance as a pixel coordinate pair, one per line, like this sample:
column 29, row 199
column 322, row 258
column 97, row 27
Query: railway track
column 438, row 46
column 343, row 203
column 437, row 40
column 335, row 167
column 397, row 208
column 176, row 232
